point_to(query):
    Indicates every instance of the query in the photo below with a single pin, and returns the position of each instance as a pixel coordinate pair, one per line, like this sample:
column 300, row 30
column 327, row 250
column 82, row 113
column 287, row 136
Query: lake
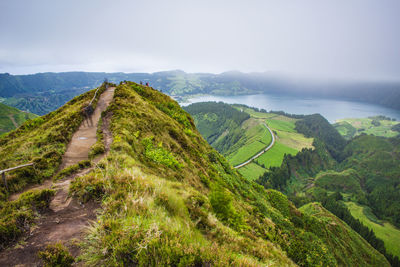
column 329, row 108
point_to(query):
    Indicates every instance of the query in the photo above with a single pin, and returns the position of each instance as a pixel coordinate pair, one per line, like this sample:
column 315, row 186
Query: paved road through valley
column 260, row 153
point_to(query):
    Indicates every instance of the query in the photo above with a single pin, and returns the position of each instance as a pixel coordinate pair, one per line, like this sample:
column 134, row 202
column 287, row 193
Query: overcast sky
column 310, row 38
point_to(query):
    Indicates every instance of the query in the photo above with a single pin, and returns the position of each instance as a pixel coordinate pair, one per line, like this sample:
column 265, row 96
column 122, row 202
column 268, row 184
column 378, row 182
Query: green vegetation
column 378, row 125
column 56, row 255
column 345, row 181
column 257, row 138
column 318, row 127
column 251, row 135
column 202, row 213
column 43, row 141
column 365, row 170
column 383, row 230
column 98, row 148
column 16, row 216
column 275, row 155
column 169, row 199
column 219, row 124
column 11, row 118
column 252, row 171
column 338, row 233
column 72, row 169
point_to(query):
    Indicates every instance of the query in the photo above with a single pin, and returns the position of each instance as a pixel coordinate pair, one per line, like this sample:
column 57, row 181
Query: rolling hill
column 11, row 118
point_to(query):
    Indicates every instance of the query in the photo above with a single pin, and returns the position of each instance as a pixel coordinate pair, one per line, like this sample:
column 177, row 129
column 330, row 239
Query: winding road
column 260, row 153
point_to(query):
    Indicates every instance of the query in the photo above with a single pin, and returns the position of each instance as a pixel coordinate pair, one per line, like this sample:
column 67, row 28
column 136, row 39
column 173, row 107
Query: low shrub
column 56, row 255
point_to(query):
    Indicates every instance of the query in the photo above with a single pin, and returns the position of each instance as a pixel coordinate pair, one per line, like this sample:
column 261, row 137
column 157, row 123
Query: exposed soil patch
column 85, row 137
column 63, row 226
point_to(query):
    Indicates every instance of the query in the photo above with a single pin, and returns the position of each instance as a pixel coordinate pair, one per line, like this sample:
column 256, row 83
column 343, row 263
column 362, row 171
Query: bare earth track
column 67, row 218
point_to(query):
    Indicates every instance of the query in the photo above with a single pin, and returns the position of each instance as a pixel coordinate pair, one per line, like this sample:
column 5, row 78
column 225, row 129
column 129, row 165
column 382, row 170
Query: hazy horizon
column 341, row 40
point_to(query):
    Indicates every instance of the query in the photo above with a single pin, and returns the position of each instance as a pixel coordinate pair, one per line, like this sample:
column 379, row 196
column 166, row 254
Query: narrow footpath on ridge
column 67, row 218
column 260, row 153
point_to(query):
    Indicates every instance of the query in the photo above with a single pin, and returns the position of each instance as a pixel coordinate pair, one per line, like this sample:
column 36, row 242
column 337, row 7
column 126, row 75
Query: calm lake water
column 330, row 109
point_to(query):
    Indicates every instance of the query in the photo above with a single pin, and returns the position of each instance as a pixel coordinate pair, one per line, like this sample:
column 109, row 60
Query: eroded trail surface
column 85, row 136
column 67, row 218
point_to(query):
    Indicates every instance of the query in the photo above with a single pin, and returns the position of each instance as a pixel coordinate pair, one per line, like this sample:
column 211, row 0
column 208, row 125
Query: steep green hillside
column 383, row 230
column 368, row 174
column 219, row 124
column 318, row 127
column 11, row 118
column 338, row 234
column 378, row 125
column 168, row 198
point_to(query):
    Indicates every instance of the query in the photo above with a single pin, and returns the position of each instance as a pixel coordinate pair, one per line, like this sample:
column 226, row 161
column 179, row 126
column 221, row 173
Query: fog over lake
column 330, row 109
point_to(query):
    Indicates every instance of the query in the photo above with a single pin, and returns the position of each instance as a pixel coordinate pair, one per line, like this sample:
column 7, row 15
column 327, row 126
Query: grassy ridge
column 43, row 141
column 199, row 212
column 383, row 230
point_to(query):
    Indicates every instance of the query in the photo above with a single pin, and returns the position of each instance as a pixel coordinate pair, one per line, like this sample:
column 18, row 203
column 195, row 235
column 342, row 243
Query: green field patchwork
column 274, row 156
column 293, row 140
column 281, row 125
column 252, row 171
column 257, row 138
column 255, row 114
column 373, row 125
column 384, row 230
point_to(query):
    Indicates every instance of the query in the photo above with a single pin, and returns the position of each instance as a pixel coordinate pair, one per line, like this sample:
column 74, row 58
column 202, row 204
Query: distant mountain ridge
column 179, row 83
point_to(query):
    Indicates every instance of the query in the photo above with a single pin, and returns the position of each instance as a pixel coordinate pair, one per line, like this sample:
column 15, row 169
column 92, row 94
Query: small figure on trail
column 141, row 83
column 87, row 112
column 147, row 84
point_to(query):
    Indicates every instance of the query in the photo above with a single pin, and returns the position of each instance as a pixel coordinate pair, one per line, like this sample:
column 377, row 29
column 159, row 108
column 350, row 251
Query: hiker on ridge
column 87, row 112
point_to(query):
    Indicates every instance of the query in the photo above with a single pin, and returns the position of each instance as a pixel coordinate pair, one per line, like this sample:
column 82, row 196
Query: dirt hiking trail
column 67, row 218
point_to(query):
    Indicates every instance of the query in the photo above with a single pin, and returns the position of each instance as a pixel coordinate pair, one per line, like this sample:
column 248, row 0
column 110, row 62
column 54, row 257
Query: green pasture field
column 252, row 171
column 356, row 126
column 383, row 230
column 274, row 156
column 258, row 137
